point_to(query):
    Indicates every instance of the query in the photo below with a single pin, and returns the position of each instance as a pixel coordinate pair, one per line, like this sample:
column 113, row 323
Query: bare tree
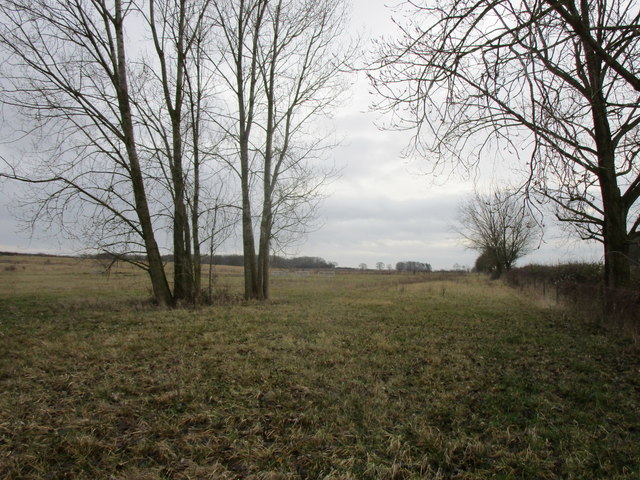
column 127, row 150
column 557, row 80
column 219, row 221
column 487, row 263
column 240, row 23
column 499, row 226
column 170, row 105
column 285, row 71
column 66, row 70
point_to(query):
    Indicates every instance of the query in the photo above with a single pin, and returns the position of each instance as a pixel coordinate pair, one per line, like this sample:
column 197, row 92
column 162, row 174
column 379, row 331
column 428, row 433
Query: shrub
column 579, row 286
column 579, row 273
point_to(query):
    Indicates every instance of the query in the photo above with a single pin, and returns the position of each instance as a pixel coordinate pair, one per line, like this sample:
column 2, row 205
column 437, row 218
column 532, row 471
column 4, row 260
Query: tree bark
column 263, row 253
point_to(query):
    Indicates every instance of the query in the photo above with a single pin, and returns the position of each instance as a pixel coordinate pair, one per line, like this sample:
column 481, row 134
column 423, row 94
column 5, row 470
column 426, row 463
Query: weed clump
column 221, row 295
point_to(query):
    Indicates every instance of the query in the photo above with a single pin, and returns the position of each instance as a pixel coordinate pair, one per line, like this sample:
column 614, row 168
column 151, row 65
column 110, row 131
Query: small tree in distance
column 498, row 226
column 486, row 262
column 413, row 267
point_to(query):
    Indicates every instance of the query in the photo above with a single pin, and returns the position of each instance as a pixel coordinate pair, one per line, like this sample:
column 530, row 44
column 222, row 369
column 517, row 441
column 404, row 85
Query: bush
column 579, row 273
column 579, row 286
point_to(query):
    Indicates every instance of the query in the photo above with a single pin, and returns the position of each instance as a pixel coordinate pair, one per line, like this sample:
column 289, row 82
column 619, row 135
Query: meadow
column 355, row 376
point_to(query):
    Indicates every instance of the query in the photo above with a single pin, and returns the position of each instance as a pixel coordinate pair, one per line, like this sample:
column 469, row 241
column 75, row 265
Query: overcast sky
column 381, row 209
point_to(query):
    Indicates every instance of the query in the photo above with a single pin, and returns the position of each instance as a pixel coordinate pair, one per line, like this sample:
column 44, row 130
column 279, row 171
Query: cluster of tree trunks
column 132, row 137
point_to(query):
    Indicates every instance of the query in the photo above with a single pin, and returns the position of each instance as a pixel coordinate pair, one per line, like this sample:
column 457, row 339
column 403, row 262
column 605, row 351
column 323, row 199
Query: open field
column 345, row 377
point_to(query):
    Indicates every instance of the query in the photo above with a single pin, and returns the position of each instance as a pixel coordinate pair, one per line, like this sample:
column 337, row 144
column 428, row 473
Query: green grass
column 347, row 377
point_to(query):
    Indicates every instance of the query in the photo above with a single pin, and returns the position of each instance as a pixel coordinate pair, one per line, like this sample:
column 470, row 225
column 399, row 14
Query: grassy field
column 345, row 377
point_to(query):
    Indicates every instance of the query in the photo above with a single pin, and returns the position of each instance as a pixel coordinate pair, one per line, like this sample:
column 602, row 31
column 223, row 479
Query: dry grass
column 348, row 377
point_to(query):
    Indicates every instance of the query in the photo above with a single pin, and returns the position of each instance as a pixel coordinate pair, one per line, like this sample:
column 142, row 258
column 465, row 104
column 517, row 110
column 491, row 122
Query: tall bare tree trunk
column 617, row 265
column 195, row 99
column 184, row 288
column 246, row 106
column 264, row 251
column 617, row 268
column 248, row 242
column 183, row 275
column 161, row 290
column 195, row 207
column 266, row 224
column 286, row 71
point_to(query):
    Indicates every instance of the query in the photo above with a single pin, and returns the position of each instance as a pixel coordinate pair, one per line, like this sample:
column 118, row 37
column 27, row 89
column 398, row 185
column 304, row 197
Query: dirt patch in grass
column 339, row 378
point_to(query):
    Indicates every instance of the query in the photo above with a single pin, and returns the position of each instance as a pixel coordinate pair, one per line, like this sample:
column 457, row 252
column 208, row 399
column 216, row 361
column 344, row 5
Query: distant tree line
column 232, row 260
column 413, row 267
column 276, row 261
